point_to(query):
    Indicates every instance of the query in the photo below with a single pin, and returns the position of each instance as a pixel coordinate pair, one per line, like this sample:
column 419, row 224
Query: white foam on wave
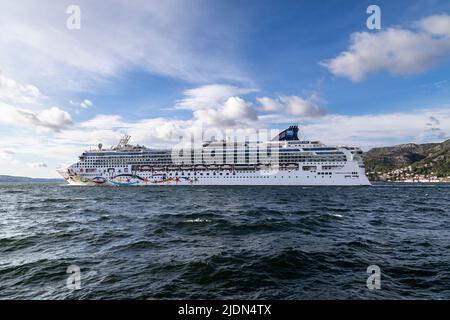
column 197, row 220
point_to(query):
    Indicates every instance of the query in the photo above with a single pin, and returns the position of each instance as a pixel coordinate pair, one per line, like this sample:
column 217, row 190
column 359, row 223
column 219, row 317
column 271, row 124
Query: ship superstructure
column 297, row 162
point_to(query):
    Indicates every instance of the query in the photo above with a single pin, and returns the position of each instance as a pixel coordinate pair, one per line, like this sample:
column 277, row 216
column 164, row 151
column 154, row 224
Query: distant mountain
column 14, row 179
column 423, row 158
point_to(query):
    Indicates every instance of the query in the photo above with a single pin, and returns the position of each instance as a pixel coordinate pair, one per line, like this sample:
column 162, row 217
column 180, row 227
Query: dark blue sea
column 224, row 242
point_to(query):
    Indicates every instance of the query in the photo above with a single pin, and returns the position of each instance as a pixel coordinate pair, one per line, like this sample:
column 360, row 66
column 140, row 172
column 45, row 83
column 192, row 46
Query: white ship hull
column 215, row 178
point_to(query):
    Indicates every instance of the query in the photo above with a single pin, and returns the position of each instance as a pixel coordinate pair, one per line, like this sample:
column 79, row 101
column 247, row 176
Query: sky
column 161, row 69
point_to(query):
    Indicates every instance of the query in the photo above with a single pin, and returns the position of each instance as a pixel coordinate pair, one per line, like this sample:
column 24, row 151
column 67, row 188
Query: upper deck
column 286, row 145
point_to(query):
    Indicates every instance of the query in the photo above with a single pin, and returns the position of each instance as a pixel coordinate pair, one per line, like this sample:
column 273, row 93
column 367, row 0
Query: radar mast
column 124, row 141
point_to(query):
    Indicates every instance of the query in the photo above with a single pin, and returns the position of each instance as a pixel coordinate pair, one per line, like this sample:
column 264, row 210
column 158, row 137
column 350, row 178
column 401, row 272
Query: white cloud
column 396, row 50
column 293, row 105
column 236, row 108
column 436, row 25
column 269, row 104
column 21, row 105
column 363, row 130
column 49, row 119
column 86, row 104
column 218, row 105
column 13, row 92
column 53, row 118
column 160, row 131
column 210, row 96
column 103, row 121
column 167, row 38
column 38, row 165
column 234, row 111
column 302, row 107
column 373, row 129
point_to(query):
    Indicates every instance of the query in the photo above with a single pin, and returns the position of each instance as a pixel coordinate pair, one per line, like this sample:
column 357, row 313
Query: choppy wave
column 224, row 242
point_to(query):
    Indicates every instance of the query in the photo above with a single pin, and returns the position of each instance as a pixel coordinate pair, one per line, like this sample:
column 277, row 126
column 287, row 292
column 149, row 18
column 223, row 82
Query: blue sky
column 157, row 69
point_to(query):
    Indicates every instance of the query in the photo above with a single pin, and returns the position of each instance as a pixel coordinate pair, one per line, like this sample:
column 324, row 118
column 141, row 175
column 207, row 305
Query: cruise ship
column 283, row 160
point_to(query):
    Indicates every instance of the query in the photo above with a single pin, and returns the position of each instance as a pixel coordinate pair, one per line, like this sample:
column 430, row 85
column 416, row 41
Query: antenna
column 124, row 141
